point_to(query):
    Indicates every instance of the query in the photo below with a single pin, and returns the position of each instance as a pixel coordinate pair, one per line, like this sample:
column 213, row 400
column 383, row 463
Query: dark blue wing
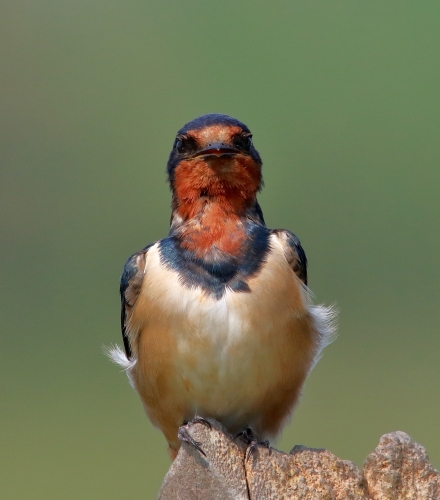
column 131, row 284
column 294, row 253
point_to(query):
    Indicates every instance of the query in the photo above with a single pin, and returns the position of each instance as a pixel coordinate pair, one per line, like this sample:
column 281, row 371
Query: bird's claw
column 184, row 435
column 248, row 437
column 253, row 446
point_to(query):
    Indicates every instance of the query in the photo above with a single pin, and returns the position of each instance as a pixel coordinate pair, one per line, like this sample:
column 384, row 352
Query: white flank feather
column 118, row 356
column 324, row 319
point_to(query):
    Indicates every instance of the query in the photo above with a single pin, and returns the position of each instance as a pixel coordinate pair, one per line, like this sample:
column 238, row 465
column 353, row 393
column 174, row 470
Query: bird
column 217, row 319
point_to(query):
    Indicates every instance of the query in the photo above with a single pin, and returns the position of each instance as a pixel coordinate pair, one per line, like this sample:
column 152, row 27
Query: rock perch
column 398, row 469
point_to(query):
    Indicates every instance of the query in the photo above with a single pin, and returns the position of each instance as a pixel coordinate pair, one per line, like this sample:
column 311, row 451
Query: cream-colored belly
column 223, row 358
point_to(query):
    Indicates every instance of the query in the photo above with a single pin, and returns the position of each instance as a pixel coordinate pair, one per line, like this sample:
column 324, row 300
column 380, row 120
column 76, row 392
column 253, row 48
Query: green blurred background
column 343, row 101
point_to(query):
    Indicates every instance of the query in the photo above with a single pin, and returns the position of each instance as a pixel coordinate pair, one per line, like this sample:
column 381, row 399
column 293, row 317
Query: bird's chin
column 220, row 164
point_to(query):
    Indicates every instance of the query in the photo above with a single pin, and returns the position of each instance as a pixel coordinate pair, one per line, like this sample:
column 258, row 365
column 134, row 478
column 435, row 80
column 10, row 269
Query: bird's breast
column 214, row 351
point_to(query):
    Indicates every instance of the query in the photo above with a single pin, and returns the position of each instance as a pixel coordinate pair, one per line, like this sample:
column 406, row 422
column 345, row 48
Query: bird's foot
column 248, row 437
column 184, row 435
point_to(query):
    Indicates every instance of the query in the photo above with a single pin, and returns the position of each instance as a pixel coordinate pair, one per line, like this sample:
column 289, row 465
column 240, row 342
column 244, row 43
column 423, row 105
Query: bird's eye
column 243, row 141
column 185, row 144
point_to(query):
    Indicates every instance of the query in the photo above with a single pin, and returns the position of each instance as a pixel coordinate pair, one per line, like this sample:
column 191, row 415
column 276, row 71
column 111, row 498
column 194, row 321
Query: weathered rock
column 397, row 470
column 218, row 475
column 304, row 474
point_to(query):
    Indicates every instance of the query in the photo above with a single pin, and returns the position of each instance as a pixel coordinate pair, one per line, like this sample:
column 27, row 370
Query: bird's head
column 213, row 158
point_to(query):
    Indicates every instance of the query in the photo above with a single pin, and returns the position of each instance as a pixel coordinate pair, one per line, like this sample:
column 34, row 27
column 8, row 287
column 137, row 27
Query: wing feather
column 294, row 253
column 131, row 284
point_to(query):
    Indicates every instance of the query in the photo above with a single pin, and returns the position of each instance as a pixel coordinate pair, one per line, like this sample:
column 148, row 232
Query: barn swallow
column 216, row 318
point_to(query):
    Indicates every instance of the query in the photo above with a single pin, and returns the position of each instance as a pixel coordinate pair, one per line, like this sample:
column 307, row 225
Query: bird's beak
column 217, row 149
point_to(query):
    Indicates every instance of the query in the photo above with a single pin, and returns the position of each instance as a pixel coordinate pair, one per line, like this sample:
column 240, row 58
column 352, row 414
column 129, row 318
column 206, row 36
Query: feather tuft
column 325, row 321
column 118, row 356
